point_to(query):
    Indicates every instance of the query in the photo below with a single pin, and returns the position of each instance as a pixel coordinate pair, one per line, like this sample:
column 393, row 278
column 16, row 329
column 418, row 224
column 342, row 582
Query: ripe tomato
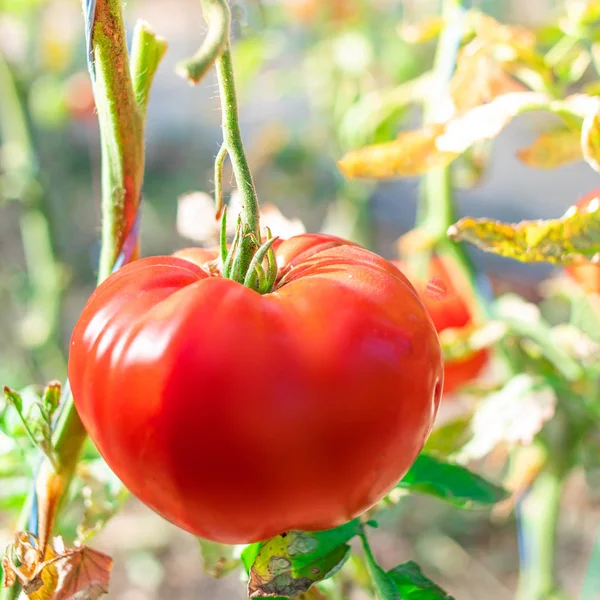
column 586, row 274
column 443, row 294
column 239, row 416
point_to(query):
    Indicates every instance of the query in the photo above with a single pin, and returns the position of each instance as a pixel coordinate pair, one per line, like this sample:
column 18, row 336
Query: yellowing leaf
column 487, row 121
column 557, row 241
column 590, row 139
column 553, row 149
column 513, row 47
column 411, row 154
column 479, row 78
column 289, row 564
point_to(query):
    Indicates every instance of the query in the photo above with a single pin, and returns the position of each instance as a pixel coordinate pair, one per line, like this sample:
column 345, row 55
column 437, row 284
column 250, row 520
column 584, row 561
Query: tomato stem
column 232, row 137
column 216, row 50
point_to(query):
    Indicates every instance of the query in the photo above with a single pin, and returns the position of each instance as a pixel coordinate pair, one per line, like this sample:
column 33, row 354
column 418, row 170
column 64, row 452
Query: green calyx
column 252, row 265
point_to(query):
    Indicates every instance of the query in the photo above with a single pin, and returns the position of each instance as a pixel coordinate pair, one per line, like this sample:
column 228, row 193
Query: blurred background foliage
column 316, row 79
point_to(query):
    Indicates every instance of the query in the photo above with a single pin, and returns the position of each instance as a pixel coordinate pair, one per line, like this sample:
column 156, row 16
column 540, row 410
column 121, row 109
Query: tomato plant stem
column 121, row 94
column 539, row 526
column 250, row 213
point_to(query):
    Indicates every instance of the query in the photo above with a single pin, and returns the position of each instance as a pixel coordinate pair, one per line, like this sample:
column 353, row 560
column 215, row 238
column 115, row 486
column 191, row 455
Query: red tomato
column 239, row 416
column 586, row 273
column 443, row 294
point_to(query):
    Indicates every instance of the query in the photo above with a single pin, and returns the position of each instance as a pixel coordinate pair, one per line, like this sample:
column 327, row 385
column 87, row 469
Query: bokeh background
column 301, row 68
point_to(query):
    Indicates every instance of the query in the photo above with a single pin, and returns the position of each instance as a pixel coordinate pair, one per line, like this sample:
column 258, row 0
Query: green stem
column 216, row 50
column 121, row 105
column 232, row 137
column 121, row 126
column 539, row 528
column 218, row 17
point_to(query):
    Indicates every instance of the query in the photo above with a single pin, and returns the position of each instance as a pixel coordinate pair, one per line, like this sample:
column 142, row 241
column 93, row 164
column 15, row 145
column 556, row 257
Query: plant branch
column 216, row 50
column 218, row 17
column 121, row 104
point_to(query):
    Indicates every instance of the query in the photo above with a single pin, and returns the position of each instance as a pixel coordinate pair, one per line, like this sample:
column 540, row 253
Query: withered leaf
column 411, row 153
column 479, row 78
column 416, row 152
column 84, row 574
column 9, row 577
column 38, row 575
column 553, row 149
column 288, row 565
column 557, row 241
column 63, row 574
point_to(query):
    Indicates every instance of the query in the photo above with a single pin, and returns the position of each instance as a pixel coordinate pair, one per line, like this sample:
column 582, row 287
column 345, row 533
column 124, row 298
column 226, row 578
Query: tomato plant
column 275, row 397
column 449, row 300
column 250, row 397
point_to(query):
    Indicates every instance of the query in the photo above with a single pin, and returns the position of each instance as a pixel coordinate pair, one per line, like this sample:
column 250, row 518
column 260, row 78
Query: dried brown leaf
column 552, row 149
column 84, row 574
column 62, row 574
column 10, row 578
column 37, row 575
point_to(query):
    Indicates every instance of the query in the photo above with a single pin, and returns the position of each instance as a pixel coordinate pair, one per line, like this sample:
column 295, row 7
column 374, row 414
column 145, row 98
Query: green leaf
column 451, row 483
column 249, row 554
column 384, row 585
column 289, row 564
column 218, row 559
column 413, row 585
column 558, row 241
column 449, row 437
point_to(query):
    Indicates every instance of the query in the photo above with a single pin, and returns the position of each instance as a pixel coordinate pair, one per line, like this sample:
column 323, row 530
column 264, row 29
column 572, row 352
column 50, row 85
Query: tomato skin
column 238, row 416
column 443, row 294
column 586, row 274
